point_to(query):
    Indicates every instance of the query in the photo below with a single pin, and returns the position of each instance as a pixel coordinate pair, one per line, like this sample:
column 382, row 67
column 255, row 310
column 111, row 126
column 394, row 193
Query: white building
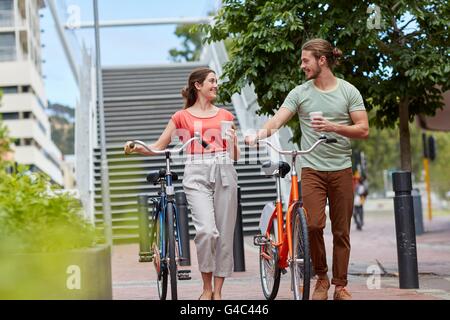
column 24, row 101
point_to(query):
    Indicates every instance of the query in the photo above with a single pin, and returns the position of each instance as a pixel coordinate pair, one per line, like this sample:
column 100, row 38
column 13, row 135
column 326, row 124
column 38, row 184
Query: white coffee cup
column 224, row 127
column 316, row 115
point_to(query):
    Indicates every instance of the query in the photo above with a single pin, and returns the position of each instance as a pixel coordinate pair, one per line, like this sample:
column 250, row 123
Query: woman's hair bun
column 185, row 92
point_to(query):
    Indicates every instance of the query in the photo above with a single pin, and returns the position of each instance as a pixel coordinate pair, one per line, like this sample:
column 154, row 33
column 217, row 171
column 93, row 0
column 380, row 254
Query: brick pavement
column 373, row 247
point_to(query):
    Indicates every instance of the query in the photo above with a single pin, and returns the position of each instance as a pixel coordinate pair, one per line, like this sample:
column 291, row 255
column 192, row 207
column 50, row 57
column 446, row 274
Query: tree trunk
column 405, row 141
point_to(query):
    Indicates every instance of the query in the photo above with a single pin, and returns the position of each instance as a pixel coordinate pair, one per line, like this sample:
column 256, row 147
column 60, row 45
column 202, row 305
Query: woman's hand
column 231, row 136
column 127, row 148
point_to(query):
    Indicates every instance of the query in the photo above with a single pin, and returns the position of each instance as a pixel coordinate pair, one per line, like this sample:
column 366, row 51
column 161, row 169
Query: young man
column 327, row 172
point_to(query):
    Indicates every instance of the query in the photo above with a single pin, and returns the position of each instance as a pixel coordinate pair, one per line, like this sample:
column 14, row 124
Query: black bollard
column 183, row 220
column 145, row 254
column 405, row 230
column 238, row 241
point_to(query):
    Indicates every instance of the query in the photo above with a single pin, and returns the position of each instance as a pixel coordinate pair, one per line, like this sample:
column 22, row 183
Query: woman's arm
column 164, row 139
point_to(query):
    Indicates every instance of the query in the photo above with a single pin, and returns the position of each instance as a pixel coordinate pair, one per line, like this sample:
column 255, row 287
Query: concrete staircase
column 138, row 103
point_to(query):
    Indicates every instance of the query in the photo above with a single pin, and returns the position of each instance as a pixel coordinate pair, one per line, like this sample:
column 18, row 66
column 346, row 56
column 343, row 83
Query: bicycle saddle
column 156, row 176
column 270, row 168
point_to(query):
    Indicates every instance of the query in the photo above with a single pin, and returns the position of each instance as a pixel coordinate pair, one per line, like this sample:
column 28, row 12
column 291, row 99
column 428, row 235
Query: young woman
column 210, row 179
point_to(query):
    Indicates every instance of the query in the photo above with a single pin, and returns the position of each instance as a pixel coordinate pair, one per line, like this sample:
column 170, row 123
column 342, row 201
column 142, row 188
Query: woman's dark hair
column 189, row 92
column 320, row 47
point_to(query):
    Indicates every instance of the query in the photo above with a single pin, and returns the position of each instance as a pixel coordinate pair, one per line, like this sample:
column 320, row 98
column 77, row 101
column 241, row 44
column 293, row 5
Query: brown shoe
column 321, row 289
column 342, row 294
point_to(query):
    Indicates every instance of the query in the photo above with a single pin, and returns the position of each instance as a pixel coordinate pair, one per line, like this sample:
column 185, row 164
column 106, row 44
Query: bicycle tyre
column 301, row 261
column 170, row 213
column 161, row 271
column 269, row 269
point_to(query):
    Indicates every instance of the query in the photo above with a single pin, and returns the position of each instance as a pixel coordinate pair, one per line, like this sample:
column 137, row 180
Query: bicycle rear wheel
column 160, row 264
column 301, row 261
column 172, row 262
column 268, row 266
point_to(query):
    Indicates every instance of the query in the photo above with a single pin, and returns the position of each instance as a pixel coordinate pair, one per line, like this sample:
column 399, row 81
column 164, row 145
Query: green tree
column 62, row 120
column 397, row 56
column 5, row 139
column 191, row 45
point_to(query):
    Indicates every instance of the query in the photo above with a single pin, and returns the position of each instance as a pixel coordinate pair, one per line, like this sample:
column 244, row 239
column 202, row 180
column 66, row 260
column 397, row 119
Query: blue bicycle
column 167, row 247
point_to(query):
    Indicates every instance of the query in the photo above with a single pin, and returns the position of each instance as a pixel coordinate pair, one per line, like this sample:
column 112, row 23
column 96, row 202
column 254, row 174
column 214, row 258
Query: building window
column 28, row 141
column 6, row 13
column 7, row 90
column 10, row 115
column 27, row 115
column 26, row 89
column 7, row 46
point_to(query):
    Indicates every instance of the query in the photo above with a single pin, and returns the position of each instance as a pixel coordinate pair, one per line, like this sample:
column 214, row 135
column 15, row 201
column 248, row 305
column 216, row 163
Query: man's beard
column 316, row 73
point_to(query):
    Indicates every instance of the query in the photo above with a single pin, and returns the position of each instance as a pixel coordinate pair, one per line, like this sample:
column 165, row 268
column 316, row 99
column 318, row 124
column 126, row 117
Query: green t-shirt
column 336, row 105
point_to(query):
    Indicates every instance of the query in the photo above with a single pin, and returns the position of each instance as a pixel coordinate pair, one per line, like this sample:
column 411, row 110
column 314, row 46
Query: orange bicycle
column 285, row 243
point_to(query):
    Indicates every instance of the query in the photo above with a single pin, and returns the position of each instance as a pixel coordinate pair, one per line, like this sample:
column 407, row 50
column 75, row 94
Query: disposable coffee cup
column 224, row 127
column 316, row 115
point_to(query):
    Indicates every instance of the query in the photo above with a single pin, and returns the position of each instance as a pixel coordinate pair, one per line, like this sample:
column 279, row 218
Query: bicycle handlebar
column 322, row 139
column 196, row 137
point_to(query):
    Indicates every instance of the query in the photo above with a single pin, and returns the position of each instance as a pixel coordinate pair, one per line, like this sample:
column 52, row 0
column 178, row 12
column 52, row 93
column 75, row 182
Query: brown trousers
column 337, row 186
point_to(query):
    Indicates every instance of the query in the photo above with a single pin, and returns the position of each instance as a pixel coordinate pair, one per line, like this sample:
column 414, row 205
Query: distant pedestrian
column 361, row 192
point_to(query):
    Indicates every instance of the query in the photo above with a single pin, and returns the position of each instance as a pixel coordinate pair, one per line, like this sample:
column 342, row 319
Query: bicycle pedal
column 260, row 240
column 184, row 271
column 184, row 275
column 145, row 256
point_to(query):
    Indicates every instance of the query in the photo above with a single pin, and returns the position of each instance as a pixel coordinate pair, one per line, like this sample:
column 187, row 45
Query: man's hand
column 251, row 139
column 323, row 125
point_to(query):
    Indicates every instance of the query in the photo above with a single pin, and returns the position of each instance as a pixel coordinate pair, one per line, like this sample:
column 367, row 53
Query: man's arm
column 271, row 126
column 358, row 130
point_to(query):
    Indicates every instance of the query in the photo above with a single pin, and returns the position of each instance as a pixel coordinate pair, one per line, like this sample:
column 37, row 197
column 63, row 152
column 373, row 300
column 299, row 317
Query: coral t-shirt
column 209, row 128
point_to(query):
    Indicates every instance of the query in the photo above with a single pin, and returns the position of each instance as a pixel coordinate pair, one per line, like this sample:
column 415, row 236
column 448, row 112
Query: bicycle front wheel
column 301, row 261
column 172, row 262
column 160, row 264
column 268, row 266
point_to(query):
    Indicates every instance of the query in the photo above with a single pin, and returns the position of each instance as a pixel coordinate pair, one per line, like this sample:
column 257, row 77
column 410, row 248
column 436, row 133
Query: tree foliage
column 191, row 45
column 400, row 63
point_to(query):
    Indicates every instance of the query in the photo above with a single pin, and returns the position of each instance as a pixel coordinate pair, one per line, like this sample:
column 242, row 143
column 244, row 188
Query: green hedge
column 36, row 216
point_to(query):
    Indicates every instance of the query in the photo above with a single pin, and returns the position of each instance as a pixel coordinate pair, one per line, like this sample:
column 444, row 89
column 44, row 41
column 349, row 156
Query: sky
column 119, row 46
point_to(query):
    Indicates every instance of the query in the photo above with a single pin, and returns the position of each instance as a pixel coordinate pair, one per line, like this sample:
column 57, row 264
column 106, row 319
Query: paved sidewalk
column 372, row 248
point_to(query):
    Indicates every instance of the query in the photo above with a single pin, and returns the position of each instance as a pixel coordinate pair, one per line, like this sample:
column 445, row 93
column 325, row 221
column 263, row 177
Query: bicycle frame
column 165, row 198
column 167, row 193
column 283, row 237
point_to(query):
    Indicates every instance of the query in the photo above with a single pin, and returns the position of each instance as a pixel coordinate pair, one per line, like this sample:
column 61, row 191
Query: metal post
column 106, row 205
column 145, row 254
column 405, row 230
column 238, row 242
column 183, row 220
